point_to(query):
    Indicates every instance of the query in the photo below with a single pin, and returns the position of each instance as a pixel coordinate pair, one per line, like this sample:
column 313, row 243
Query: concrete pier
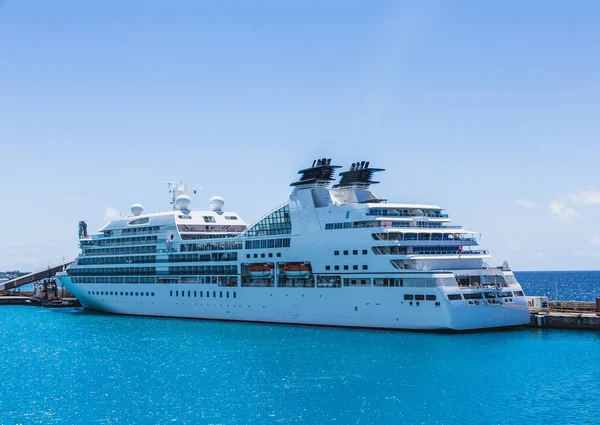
column 13, row 300
column 23, row 300
column 567, row 315
column 560, row 320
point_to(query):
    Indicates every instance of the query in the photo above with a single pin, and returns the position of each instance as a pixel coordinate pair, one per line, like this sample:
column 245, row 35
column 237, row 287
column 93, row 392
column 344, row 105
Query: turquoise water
column 72, row 367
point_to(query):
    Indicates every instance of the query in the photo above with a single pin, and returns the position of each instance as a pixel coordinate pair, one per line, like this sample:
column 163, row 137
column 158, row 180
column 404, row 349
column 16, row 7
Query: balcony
column 409, row 252
column 396, row 212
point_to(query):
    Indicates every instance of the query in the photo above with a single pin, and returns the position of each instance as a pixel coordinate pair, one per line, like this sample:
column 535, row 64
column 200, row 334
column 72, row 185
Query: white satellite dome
column 137, row 209
column 183, row 202
column 216, row 203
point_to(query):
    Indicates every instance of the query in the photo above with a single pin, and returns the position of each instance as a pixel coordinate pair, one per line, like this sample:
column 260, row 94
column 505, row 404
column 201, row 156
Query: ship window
column 357, row 282
column 140, row 221
column 170, row 293
column 255, row 255
column 364, row 251
column 214, row 294
column 473, row 296
column 355, row 267
column 327, row 267
column 345, row 267
column 408, row 297
column 336, row 267
column 121, row 293
column 420, row 297
column 270, row 255
column 195, row 294
column 345, row 252
column 454, row 297
column 220, row 294
column 227, row 293
column 387, row 282
column 234, row 294
column 141, row 294
column 355, row 252
column 519, row 293
column 365, row 267
column 209, row 219
column 136, row 294
column 152, row 293
column 336, row 252
column 176, row 293
column 279, row 254
column 207, row 294
column 262, row 255
column 247, row 255
column 430, row 297
column 189, row 294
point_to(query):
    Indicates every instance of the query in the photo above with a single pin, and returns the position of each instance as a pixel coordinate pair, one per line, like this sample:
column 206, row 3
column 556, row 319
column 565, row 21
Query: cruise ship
column 333, row 254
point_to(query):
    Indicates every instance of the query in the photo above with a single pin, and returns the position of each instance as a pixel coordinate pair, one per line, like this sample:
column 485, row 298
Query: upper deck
column 345, row 213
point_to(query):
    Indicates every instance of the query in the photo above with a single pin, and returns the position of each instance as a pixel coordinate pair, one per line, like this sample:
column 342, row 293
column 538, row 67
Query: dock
column 11, row 294
column 33, row 277
column 13, row 300
column 567, row 315
column 558, row 320
column 24, row 298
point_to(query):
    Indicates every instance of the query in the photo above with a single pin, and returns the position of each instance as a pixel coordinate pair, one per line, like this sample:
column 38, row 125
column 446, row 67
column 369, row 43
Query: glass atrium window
column 276, row 223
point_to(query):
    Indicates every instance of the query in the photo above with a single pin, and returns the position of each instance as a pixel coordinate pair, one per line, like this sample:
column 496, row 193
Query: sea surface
column 70, row 366
column 562, row 285
column 67, row 366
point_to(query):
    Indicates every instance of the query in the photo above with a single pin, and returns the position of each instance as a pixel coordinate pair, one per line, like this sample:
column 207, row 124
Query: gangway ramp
column 33, row 277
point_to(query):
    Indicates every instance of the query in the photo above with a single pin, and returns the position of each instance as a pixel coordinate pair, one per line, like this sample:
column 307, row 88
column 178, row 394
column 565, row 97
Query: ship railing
column 448, row 252
column 297, row 284
column 571, row 306
column 258, row 284
column 486, row 286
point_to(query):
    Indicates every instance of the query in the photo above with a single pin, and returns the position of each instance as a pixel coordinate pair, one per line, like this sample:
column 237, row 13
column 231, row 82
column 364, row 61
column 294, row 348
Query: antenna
column 176, row 189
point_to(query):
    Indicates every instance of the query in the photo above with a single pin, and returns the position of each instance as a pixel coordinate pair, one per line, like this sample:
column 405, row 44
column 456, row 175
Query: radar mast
column 176, row 189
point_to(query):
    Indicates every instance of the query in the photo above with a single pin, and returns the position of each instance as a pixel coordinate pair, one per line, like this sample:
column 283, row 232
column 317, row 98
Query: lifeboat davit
column 296, row 270
column 260, row 270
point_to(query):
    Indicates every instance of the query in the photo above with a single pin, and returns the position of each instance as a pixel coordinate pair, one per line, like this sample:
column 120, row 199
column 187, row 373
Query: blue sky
column 489, row 109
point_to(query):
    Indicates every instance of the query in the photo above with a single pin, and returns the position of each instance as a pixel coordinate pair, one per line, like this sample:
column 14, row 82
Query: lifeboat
column 260, row 270
column 296, row 270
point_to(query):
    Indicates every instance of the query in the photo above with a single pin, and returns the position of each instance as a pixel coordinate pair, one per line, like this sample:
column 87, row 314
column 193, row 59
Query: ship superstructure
column 333, row 254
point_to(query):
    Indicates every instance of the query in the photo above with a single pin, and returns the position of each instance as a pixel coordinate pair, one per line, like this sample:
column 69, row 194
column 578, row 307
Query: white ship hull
column 348, row 306
column 330, row 256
